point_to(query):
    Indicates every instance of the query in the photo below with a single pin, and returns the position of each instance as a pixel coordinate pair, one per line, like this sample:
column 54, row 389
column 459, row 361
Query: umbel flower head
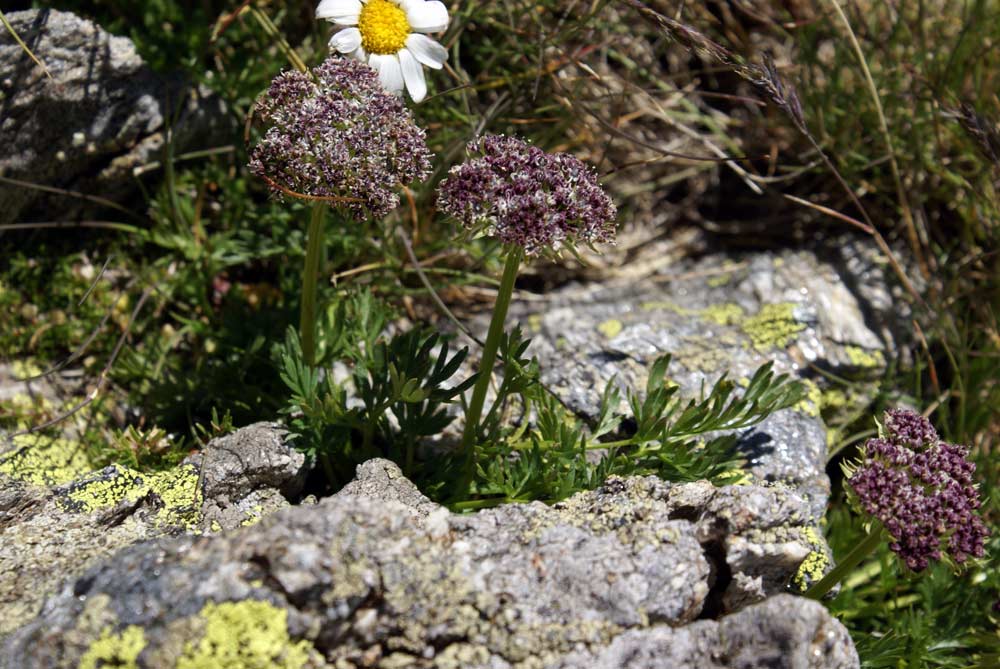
column 390, row 36
column 526, row 197
column 922, row 491
column 338, row 135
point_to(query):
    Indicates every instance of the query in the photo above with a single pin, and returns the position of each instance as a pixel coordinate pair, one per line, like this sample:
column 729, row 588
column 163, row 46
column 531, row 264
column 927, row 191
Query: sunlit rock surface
column 636, row 569
column 94, row 125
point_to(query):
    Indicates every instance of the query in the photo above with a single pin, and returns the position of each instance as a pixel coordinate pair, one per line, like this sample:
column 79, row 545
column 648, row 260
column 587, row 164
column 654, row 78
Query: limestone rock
column 101, row 115
column 634, row 569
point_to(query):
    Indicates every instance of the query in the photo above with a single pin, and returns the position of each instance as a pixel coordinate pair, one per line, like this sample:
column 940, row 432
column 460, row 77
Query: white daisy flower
column 390, row 36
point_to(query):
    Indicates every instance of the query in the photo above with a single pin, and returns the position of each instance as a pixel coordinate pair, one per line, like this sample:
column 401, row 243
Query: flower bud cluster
column 338, row 135
column 922, row 491
column 527, row 197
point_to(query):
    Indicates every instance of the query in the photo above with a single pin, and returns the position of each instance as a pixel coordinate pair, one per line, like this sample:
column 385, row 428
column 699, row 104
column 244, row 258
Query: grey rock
column 630, row 568
column 44, row 540
column 253, row 457
column 718, row 315
column 382, row 479
column 784, row 632
column 248, row 474
column 100, row 116
column 50, row 532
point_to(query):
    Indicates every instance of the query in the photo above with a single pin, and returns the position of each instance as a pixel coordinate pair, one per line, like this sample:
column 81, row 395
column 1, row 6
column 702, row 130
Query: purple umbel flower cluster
column 527, row 197
column 340, row 135
column 922, row 491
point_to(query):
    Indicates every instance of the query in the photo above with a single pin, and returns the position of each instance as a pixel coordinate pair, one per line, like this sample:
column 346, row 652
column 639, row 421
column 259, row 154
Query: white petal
column 427, row 17
column 413, row 75
column 347, row 40
column 344, row 12
column 426, row 50
column 389, row 71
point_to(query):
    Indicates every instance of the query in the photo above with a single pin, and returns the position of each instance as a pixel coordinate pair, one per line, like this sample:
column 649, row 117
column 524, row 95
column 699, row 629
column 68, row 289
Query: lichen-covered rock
column 628, row 569
column 236, row 468
column 382, row 479
column 784, row 632
column 101, row 115
column 718, row 315
column 56, row 521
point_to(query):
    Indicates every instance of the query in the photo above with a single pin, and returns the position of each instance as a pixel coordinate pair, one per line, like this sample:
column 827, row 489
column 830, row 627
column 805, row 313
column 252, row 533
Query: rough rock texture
column 638, row 568
column 50, row 532
column 101, row 115
column 247, row 474
column 719, row 315
column 382, row 479
column 783, row 632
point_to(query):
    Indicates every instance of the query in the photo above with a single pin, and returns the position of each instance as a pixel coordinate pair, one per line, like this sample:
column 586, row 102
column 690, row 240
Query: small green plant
column 661, row 433
column 533, row 202
column 394, row 403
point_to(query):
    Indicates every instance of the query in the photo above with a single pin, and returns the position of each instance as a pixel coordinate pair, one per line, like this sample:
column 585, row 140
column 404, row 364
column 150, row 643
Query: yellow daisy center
column 383, row 27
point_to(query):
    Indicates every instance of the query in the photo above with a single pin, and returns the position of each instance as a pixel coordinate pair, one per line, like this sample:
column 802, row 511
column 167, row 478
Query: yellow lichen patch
column 177, row 489
column 816, row 563
column 535, row 322
column 254, row 515
column 115, row 650
column 811, row 404
column 834, row 398
column 105, row 490
column 774, row 326
column 734, row 477
column 723, row 314
column 23, row 369
column 250, row 634
column 41, row 460
column 610, row 328
column 862, row 358
column 720, row 280
column 657, row 305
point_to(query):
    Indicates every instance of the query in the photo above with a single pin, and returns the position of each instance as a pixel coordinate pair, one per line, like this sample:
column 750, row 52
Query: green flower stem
column 490, row 348
column 845, row 566
column 314, row 252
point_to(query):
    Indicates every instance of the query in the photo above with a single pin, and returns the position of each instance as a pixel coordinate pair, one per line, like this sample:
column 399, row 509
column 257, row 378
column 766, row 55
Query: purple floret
column 922, row 490
column 527, row 197
column 340, row 135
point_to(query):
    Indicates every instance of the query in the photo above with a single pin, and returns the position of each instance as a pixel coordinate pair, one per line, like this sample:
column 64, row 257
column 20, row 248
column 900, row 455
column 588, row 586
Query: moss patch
column 115, row 650
column 250, row 634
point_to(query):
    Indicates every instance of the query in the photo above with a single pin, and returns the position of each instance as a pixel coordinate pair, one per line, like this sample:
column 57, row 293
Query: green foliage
column 394, row 401
column 398, row 385
column 678, row 439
